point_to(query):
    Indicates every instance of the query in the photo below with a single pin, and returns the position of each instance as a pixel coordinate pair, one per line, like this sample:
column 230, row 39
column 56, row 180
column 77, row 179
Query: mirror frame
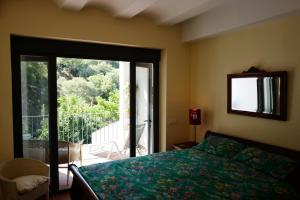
column 254, row 72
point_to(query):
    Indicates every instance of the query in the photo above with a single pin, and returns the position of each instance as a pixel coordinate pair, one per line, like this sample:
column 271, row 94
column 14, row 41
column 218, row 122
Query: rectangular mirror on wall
column 258, row 93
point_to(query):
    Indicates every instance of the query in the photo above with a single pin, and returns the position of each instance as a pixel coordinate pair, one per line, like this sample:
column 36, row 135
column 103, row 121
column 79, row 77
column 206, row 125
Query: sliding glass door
column 144, row 109
column 35, row 107
column 32, row 110
column 93, row 113
column 82, row 108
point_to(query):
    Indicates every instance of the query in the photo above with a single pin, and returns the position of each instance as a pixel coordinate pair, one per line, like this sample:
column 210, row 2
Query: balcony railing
column 103, row 140
column 86, row 127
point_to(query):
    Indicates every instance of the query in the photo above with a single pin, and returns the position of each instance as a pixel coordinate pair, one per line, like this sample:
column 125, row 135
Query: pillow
column 28, row 183
column 220, row 146
column 278, row 166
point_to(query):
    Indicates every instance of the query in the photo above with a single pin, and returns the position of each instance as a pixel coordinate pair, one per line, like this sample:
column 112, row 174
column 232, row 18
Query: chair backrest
column 63, row 152
column 23, row 166
column 36, row 149
column 139, row 132
column 68, row 151
column 75, row 151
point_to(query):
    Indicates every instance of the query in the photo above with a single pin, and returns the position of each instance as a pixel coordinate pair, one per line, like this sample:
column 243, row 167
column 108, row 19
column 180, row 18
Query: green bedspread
column 185, row 174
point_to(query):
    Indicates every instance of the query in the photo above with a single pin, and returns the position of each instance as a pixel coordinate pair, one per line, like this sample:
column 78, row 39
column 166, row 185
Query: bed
column 221, row 167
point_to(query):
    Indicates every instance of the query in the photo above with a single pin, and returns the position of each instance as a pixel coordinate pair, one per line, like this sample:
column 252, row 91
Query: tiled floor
column 91, row 158
column 88, row 159
column 63, row 179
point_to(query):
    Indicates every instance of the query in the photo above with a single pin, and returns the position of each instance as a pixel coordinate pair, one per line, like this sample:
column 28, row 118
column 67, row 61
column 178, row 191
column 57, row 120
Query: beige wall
column 271, row 46
column 45, row 19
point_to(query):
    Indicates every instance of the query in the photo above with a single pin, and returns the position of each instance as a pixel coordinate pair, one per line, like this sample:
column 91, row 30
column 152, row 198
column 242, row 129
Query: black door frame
column 150, row 102
column 23, row 45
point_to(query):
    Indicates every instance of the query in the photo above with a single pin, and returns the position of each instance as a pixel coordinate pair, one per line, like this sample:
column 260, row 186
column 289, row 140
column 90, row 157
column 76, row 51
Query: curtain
column 260, row 95
column 268, row 95
column 269, row 90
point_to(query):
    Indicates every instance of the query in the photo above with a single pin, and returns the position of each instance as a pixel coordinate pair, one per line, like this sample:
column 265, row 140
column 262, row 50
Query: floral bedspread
column 185, row 174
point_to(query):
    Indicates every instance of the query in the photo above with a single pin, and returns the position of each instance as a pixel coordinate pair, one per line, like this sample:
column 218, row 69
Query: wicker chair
column 68, row 153
column 23, row 168
column 36, row 149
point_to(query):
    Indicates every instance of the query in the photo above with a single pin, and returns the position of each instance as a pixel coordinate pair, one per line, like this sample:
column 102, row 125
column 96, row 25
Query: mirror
column 258, row 93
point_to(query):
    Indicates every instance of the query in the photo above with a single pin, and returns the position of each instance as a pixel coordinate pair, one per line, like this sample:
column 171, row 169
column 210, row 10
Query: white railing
column 107, row 133
column 73, row 128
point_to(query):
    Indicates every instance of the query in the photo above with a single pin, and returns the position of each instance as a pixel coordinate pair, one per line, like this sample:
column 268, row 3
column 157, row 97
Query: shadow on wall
column 1, row 196
column 291, row 95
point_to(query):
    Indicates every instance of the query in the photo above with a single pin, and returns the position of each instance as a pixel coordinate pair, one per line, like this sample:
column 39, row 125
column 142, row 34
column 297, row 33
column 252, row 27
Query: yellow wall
column 273, row 45
column 200, row 67
column 44, row 19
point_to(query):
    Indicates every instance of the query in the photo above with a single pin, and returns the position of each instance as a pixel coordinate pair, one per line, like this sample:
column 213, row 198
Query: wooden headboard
column 293, row 178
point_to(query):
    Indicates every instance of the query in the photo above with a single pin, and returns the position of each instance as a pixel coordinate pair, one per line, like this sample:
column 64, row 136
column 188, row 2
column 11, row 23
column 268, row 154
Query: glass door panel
column 35, row 115
column 144, row 109
column 89, row 110
column 93, row 113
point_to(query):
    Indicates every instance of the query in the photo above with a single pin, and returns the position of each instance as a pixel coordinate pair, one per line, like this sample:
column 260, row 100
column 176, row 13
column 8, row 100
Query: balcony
column 93, row 104
column 84, row 139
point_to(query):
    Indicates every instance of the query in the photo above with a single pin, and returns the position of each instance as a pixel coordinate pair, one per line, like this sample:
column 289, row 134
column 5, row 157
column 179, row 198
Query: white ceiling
column 167, row 12
column 200, row 18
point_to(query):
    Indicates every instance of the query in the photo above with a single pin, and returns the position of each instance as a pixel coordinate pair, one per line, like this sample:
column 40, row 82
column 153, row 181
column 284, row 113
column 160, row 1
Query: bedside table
column 184, row 145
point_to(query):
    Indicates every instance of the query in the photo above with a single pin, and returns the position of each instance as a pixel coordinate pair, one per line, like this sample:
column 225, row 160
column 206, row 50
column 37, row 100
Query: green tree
column 34, row 83
column 88, row 97
column 78, row 120
column 78, row 86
